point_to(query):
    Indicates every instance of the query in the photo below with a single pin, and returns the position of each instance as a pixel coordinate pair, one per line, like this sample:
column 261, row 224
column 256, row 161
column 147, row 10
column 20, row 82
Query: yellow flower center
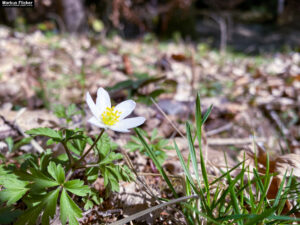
column 110, row 116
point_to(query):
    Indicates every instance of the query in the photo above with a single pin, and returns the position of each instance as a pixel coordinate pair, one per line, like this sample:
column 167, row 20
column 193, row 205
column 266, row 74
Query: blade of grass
column 241, row 194
column 262, row 203
column 203, row 215
column 225, row 173
column 190, row 179
column 284, row 195
column 185, row 169
column 192, row 153
column 147, row 211
column 252, row 199
column 199, row 123
column 260, row 217
column 157, row 164
column 234, row 198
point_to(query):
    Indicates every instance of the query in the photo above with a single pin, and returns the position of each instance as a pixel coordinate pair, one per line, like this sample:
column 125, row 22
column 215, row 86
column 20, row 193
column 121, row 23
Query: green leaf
column 92, row 173
column 199, row 124
column 103, row 145
column 30, row 216
column 193, row 153
column 69, row 211
column 157, row 164
column 10, row 143
column 88, row 205
column 14, row 189
column 9, row 214
column 72, row 110
column 59, row 111
column 91, row 199
column 40, row 180
column 44, row 131
column 260, row 217
column 77, row 187
column 57, row 172
column 77, row 145
column 49, row 203
column 126, row 173
column 22, row 142
column 110, row 158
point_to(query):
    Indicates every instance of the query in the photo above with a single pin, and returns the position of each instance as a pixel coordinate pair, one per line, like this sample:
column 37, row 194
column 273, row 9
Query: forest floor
column 256, row 100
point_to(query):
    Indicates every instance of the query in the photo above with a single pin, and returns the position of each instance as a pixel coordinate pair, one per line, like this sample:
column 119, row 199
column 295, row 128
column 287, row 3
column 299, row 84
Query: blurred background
column 251, row 26
column 242, row 56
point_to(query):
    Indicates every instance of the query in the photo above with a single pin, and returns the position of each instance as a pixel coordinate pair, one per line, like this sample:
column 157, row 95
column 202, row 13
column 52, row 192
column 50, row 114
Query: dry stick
column 146, row 186
column 147, row 211
column 173, row 125
column 277, row 120
column 219, row 129
column 193, row 69
column 16, row 127
column 223, row 31
column 165, row 115
column 233, row 141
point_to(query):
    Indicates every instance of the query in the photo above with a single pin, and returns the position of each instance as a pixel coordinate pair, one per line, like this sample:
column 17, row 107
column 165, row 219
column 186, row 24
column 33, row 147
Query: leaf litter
column 256, row 100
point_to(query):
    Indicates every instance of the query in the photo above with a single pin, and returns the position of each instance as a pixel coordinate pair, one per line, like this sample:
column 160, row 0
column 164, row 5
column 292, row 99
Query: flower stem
column 90, row 149
column 68, row 153
column 77, row 163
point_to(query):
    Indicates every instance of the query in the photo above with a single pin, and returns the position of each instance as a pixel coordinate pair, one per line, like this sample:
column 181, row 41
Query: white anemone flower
column 106, row 116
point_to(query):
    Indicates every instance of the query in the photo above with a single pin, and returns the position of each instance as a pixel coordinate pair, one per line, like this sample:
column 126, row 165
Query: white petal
column 128, row 123
column 125, row 108
column 96, row 112
column 119, row 129
column 95, row 122
column 103, row 100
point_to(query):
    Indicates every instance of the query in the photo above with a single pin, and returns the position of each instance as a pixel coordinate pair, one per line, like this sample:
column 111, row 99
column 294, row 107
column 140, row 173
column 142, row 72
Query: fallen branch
column 234, row 141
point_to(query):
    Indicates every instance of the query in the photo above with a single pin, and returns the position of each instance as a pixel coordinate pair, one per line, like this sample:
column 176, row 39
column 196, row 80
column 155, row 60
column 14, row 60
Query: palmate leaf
column 47, row 205
column 44, row 131
column 50, row 206
column 105, row 145
column 110, row 158
column 69, row 211
column 14, row 189
column 40, row 180
column 57, row 172
column 77, row 187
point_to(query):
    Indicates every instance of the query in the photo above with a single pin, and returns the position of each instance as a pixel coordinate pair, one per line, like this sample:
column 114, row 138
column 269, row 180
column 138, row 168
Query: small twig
column 158, row 174
column 144, row 184
column 109, row 212
column 193, row 69
column 219, row 130
column 150, row 210
column 165, row 115
column 233, row 141
column 223, row 31
column 15, row 126
column 274, row 116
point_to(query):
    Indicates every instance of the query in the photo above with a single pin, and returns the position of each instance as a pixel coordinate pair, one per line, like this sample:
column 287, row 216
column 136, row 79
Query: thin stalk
column 89, row 150
column 75, row 165
column 68, row 153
